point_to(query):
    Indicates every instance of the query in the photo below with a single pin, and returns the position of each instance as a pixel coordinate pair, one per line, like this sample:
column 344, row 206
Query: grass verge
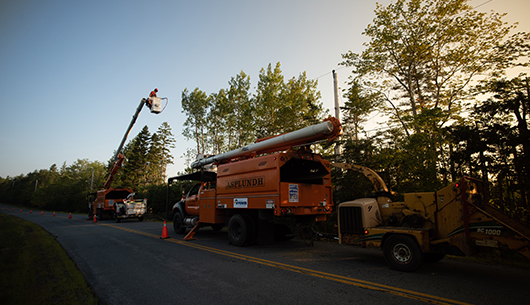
column 35, row 269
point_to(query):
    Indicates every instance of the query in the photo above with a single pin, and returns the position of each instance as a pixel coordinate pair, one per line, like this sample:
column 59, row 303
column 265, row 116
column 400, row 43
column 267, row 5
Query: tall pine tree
column 134, row 169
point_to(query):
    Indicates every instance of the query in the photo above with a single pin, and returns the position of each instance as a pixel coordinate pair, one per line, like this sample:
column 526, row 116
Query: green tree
column 239, row 112
column 66, row 190
column 302, row 106
column 218, row 121
column 281, row 107
column 423, row 55
column 233, row 118
column 498, row 143
column 155, row 160
column 134, row 168
column 165, row 141
column 357, row 106
column 268, row 102
column 494, row 142
column 195, row 107
column 423, row 58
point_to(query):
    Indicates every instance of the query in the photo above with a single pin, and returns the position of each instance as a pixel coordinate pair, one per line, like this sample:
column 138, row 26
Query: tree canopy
column 437, row 69
column 234, row 117
column 423, row 56
column 146, row 158
column 66, row 188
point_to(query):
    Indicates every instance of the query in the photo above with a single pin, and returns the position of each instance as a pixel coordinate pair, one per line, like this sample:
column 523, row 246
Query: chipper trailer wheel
column 402, row 253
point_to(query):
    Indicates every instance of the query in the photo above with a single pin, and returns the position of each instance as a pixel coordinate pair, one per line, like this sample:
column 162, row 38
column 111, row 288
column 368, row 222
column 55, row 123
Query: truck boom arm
column 113, row 170
column 118, row 157
column 329, row 130
column 128, row 131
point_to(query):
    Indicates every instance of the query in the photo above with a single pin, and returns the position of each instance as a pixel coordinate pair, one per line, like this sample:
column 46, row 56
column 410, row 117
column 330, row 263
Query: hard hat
column 156, row 90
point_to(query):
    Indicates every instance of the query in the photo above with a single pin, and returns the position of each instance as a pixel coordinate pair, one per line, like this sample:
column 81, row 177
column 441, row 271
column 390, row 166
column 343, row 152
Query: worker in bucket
column 152, row 94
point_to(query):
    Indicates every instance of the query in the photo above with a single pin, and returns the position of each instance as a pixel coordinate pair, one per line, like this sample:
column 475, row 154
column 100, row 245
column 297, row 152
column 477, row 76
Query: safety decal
column 241, row 203
column 293, row 192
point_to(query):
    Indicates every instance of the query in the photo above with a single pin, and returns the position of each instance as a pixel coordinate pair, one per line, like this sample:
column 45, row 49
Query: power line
column 482, row 4
column 328, row 73
column 473, row 8
column 342, row 67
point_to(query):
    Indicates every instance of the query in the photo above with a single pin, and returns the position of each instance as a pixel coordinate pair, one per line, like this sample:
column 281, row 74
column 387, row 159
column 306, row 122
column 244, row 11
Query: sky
column 73, row 72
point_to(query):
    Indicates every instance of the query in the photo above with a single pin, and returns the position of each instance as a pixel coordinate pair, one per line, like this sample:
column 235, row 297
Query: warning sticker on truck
column 293, row 192
column 241, row 203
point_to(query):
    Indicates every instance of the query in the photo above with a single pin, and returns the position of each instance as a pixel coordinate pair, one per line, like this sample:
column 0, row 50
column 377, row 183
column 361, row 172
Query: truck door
column 192, row 200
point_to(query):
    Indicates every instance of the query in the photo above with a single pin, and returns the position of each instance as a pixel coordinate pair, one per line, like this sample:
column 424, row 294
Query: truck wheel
column 141, row 218
column 177, row 223
column 239, row 230
column 402, row 253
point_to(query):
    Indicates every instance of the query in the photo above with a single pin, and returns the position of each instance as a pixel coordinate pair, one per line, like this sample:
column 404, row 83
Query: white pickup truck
column 131, row 208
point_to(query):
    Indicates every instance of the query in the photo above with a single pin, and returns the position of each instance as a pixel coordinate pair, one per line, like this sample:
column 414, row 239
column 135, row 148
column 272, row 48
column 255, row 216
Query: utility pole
column 337, row 111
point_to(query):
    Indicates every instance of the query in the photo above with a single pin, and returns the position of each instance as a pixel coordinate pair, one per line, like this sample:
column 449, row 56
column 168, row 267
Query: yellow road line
column 334, row 277
column 324, row 275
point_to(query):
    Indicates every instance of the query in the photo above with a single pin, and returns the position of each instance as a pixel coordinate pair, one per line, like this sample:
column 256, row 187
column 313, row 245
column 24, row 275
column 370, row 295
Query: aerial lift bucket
column 156, row 104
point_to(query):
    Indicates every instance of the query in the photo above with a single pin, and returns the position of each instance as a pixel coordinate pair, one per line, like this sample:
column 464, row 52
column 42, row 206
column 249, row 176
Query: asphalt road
column 128, row 263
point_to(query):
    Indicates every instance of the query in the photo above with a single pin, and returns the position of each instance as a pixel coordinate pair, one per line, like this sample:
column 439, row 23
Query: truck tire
column 178, row 226
column 402, row 253
column 240, row 230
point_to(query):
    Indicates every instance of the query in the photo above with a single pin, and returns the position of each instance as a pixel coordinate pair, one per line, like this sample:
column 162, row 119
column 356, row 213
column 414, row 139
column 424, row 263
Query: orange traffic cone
column 30, row 212
column 95, row 219
column 70, row 216
column 164, row 232
column 42, row 212
column 20, row 210
column 53, row 214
